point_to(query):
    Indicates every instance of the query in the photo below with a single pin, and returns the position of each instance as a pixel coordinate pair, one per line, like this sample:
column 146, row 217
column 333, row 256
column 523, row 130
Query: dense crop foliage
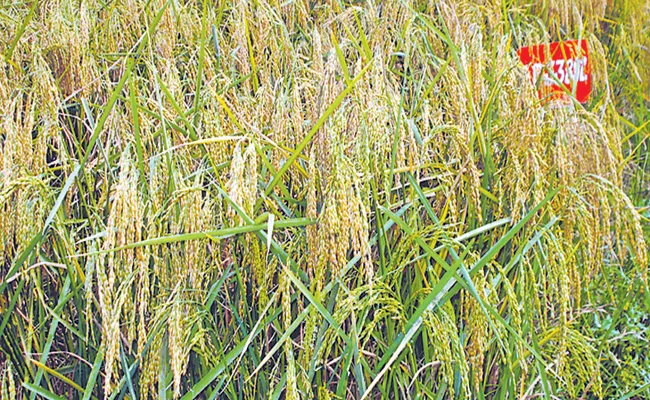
column 263, row 199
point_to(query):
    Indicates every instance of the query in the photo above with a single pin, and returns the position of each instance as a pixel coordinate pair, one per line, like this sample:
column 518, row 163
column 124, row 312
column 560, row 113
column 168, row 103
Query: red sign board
column 556, row 66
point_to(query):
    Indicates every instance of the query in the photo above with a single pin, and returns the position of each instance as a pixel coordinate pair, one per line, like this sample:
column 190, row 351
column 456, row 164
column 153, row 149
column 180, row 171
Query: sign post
column 558, row 68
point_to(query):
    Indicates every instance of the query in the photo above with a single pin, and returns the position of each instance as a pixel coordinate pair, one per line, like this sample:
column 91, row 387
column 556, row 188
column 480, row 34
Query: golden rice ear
column 448, row 353
column 115, row 270
column 242, row 185
column 571, row 17
column 478, row 329
column 178, row 344
column 285, row 292
column 7, row 382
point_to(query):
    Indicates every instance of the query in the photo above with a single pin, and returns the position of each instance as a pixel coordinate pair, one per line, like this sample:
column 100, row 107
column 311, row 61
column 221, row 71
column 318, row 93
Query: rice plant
column 331, row 199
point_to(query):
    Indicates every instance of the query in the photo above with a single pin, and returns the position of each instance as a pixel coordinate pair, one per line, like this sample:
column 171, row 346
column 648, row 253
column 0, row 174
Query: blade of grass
column 41, row 392
column 217, row 233
column 441, row 288
column 321, row 121
column 45, row 352
column 94, row 373
column 55, row 373
column 207, row 379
